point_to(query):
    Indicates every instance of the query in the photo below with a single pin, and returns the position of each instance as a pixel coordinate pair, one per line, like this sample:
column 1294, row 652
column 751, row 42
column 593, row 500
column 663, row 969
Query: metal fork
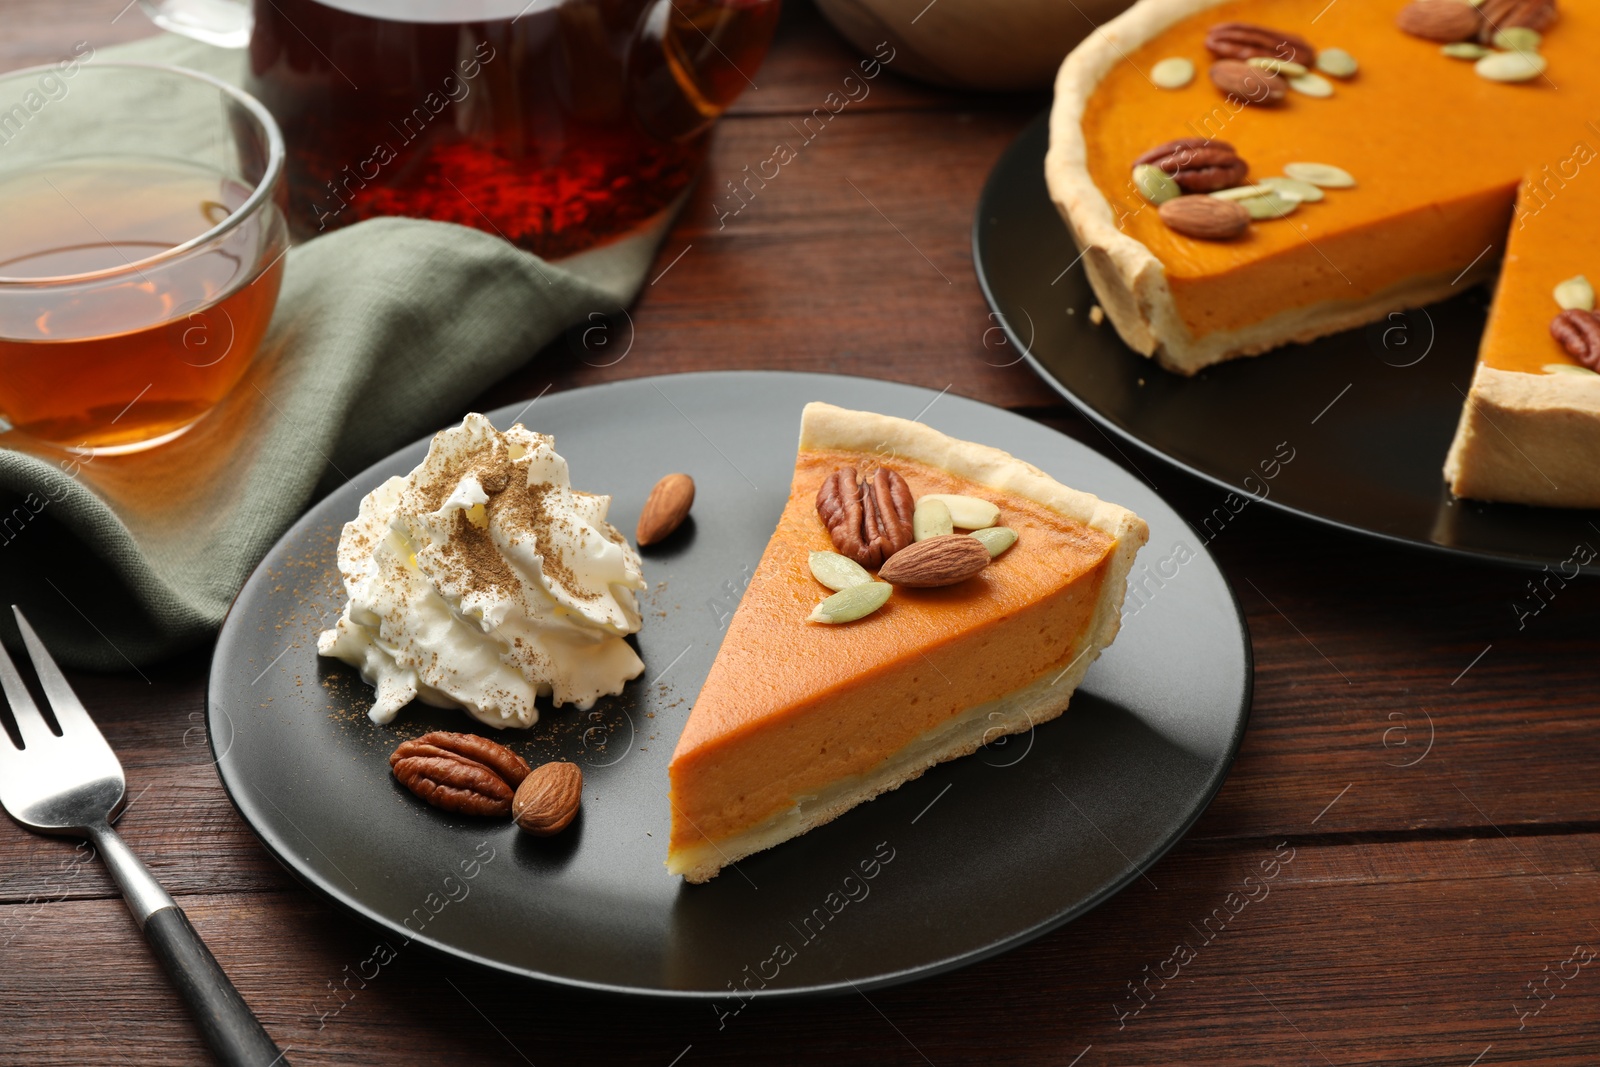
column 73, row 785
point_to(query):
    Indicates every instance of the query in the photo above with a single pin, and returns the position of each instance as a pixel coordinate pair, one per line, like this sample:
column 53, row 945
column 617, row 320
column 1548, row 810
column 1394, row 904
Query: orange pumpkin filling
column 790, row 707
column 1437, row 151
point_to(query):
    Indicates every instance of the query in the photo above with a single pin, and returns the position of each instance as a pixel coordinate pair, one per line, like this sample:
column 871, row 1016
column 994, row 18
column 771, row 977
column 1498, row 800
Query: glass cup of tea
column 559, row 125
column 142, row 234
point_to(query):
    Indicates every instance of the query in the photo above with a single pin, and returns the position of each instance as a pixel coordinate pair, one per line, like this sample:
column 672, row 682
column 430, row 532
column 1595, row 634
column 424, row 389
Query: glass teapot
column 557, row 124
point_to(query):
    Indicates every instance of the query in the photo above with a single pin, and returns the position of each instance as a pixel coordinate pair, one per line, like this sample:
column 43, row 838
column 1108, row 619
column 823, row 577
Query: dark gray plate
column 1368, row 414
column 983, row 853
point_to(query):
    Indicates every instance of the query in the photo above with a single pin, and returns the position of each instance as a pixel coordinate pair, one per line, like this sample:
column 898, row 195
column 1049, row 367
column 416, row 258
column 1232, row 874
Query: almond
column 1247, row 84
column 665, row 509
column 943, row 560
column 547, row 800
column 1205, row 217
column 1445, row 21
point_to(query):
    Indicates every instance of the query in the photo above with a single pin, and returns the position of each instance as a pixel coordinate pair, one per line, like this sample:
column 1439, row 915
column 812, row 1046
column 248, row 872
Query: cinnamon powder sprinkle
column 476, row 563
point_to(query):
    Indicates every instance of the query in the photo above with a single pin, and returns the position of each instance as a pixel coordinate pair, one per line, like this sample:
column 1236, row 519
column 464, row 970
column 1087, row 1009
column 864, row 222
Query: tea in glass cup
column 142, row 235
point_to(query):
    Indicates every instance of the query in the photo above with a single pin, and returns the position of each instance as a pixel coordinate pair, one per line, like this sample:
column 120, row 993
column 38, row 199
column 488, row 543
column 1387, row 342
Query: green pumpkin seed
column 836, row 571
column 856, row 602
column 967, row 512
column 1465, row 50
column 1575, row 293
column 1569, row 368
column 1241, row 192
column 1172, row 73
column 1287, row 67
column 1511, row 66
column 1322, row 175
column 1337, row 62
column 1291, row 189
column 1518, row 39
column 1312, row 85
column 996, row 539
column 1155, row 184
column 1270, row 206
column 931, row 519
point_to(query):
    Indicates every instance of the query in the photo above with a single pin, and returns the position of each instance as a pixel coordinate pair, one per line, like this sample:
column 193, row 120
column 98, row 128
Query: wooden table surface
column 1426, row 756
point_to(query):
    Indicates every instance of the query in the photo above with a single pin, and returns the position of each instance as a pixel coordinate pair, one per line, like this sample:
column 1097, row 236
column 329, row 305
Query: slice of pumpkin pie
column 819, row 701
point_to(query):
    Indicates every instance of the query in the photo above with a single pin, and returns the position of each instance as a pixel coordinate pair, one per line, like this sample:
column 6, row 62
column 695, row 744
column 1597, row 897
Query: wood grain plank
column 850, row 259
column 1410, row 954
column 178, row 820
column 809, row 60
column 1405, row 675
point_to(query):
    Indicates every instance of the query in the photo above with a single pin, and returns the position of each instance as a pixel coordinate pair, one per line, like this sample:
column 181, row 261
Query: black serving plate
column 1367, row 415
column 976, row 856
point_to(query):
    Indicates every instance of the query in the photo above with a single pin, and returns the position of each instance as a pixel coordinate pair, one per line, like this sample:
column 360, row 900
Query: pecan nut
column 1248, row 85
column 1197, row 164
column 1579, row 333
column 1244, row 40
column 868, row 521
column 496, row 757
column 458, row 785
column 1497, row 15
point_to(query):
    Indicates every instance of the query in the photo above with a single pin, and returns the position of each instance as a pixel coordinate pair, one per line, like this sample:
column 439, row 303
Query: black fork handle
column 230, row 1028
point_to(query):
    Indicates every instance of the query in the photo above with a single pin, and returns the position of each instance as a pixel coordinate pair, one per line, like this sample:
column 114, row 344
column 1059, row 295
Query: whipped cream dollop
column 483, row 580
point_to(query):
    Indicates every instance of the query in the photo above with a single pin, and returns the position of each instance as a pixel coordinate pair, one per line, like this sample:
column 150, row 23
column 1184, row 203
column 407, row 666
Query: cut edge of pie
column 1035, row 700
column 1528, row 439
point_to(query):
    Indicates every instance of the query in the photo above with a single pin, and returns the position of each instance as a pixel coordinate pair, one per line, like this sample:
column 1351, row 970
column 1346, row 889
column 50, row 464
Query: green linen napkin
column 383, row 333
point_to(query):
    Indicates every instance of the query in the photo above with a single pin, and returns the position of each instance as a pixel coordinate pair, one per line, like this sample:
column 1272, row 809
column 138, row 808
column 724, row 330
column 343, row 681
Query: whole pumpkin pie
column 800, row 720
column 1443, row 140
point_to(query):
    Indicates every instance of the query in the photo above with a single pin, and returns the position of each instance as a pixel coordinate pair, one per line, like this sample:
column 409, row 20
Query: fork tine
column 64, row 703
column 29, row 722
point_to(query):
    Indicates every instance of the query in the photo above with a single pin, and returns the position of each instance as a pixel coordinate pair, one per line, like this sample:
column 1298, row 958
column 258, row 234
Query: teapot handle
column 679, row 78
column 224, row 23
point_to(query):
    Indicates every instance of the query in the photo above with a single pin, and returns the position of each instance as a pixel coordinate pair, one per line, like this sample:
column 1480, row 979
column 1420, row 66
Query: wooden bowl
column 972, row 44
